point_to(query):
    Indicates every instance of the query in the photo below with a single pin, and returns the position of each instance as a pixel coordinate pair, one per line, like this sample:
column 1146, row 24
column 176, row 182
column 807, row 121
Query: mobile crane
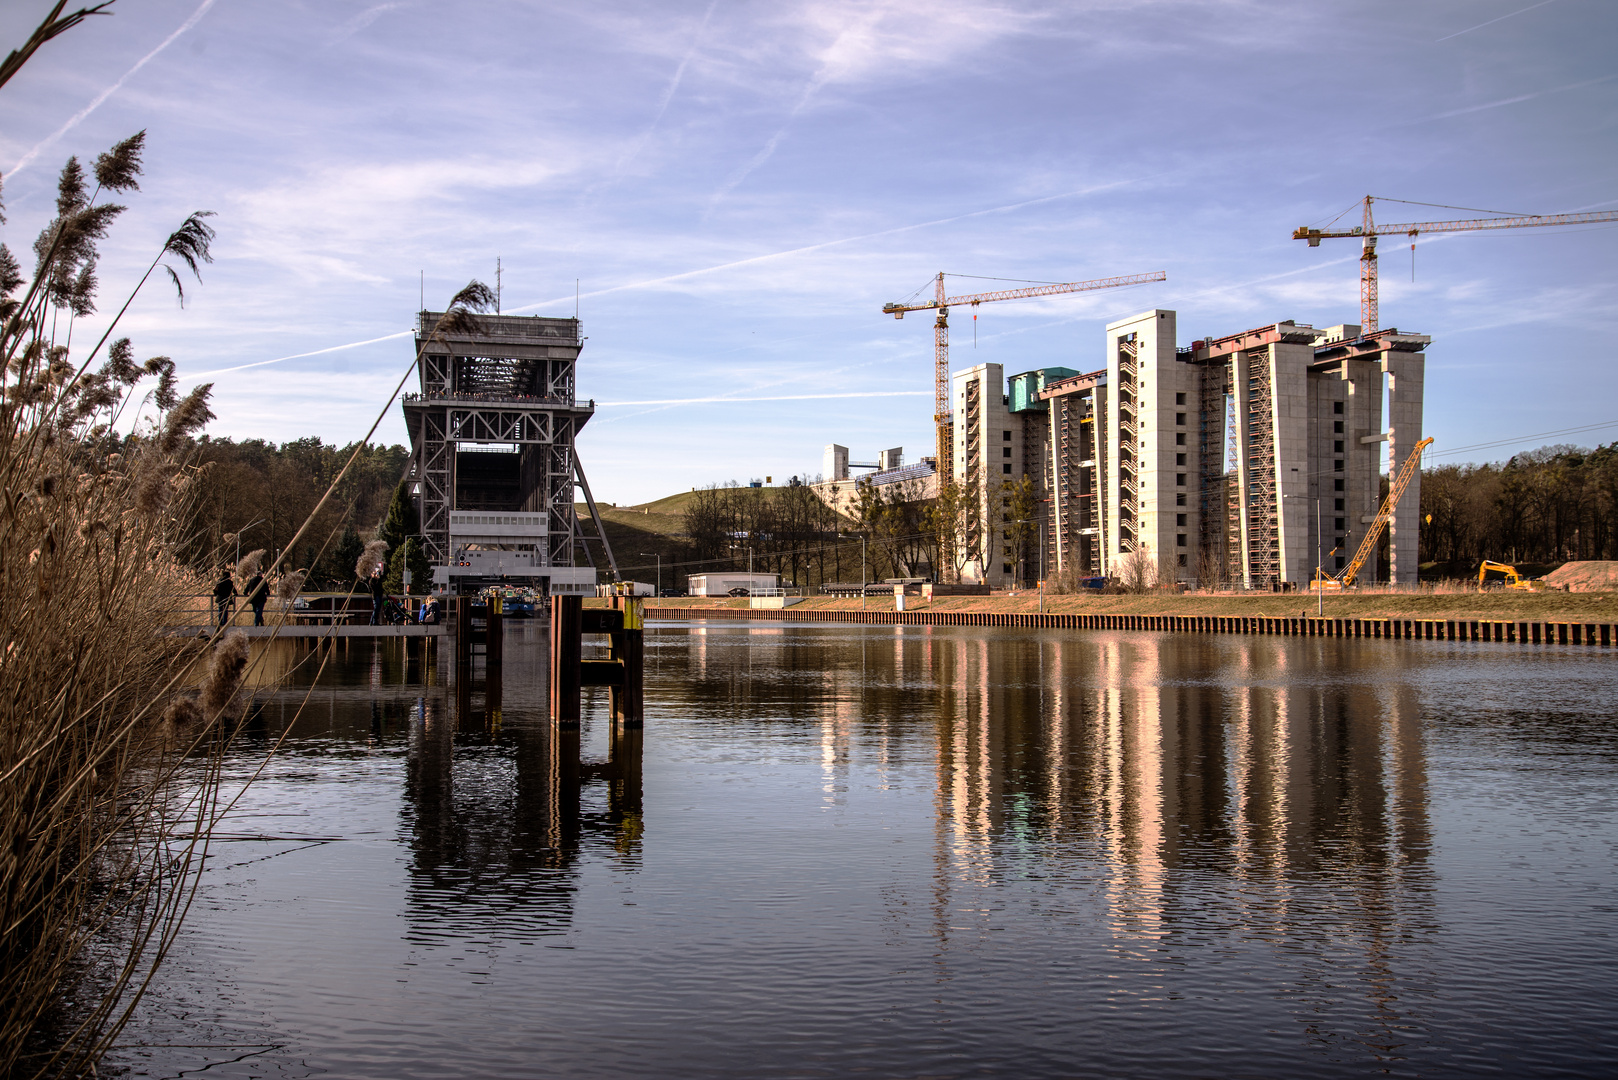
column 1345, row 577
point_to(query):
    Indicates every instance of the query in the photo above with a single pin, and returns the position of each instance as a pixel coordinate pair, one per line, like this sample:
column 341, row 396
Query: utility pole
column 658, row 555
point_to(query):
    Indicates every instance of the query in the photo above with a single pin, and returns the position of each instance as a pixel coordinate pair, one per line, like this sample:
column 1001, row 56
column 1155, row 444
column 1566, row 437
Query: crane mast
column 942, row 303
column 1369, row 230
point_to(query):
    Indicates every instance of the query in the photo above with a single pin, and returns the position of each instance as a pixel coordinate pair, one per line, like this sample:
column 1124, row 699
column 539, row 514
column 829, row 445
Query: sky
column 734, row 188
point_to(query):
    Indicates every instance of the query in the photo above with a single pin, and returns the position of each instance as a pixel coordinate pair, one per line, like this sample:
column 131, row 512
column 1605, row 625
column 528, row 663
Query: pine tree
column 338, row 568
column 411, row 554
column 402, row 521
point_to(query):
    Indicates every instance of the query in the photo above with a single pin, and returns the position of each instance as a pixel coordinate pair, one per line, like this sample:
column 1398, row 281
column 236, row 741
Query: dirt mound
column 1585, row 577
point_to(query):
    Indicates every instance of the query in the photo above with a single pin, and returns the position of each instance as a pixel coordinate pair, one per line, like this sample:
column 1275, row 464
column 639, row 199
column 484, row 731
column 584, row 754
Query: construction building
column 1248, row 459
column 997, row 439
column 888, row 476
column 493, row 462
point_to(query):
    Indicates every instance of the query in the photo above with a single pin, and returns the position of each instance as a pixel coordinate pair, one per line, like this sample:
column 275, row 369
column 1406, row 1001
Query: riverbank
column 1551, row 607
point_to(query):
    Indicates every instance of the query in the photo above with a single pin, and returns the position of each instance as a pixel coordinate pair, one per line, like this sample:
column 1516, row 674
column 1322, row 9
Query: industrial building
column 493, row 463
column 889, row 476
column 1248, row 459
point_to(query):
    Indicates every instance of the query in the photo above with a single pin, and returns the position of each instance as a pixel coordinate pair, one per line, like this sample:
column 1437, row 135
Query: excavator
column 1512, row 579
column 1396, row 487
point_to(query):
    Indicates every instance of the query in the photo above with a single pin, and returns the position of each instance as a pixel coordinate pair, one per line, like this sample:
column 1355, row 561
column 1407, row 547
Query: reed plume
column 250, row 564
column 371, row 559
column 290, row 584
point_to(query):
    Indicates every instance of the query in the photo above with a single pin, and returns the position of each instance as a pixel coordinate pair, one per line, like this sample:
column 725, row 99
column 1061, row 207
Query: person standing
column 257, row 591
column 377, row 596
column 224, row 596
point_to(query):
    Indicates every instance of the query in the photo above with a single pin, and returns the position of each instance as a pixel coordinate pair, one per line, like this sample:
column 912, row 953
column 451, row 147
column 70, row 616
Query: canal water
column 916, row 851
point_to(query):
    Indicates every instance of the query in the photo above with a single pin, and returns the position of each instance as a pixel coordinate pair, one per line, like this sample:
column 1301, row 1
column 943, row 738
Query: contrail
column 779, row 397
column 1515, row 100
column 296, row 356
column 78, row 117
column 651, row 282
column 1491, row 22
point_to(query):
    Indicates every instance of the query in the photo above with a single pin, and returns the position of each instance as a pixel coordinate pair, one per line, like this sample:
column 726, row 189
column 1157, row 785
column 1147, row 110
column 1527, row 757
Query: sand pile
column 1585, row 577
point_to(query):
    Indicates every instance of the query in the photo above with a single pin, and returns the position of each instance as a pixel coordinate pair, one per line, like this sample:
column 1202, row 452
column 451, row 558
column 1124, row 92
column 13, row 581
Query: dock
column 315, row 631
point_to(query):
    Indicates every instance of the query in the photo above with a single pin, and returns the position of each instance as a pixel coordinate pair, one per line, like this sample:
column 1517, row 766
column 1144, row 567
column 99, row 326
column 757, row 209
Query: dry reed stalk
column 374, row 557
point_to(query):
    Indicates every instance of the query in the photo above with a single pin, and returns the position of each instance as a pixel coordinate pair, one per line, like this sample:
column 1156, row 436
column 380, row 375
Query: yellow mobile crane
column 1345, row 577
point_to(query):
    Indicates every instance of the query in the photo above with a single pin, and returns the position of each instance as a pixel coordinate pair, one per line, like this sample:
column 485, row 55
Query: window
column 1179, row 417
column 1338, row 524
column 1179, row 519
column 1005, row 451
column 1339, row 505
column 1337, row 426
column 1337, row 465
column 1341, row 562
column 1179, row 438
column 1179, row 479
column 1179, row 498
column 1337, row 485
column 1005, row 568
column 1007, row 468
column 1179, row 459
column 1005, row 435
column 1337, row 407
column 1337, row 446
column 1179, row 399
column 1179, row 539
column 1182, row 561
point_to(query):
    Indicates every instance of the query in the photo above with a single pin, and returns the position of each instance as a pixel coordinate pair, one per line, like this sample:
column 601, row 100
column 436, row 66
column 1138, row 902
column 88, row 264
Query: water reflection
column 501, row 806
column 926, row 851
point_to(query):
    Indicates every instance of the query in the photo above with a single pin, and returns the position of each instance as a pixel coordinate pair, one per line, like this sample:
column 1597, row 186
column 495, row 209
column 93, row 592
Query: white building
column 720, row 584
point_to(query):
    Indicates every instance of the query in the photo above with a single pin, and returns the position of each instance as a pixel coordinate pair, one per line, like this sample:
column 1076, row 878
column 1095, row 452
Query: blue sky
column 738, row 187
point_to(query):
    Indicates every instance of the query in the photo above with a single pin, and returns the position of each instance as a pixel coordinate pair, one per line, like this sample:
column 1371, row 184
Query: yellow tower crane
column 1368, row 231
column 941, row 406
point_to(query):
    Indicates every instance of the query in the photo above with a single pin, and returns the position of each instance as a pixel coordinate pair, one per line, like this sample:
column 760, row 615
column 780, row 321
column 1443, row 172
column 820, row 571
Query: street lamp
column 658, row 555
column 238, row 535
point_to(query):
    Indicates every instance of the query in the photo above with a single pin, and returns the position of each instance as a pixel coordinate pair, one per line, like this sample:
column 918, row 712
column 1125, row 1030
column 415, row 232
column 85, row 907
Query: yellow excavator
column 1396, row 487
column 1511, row 580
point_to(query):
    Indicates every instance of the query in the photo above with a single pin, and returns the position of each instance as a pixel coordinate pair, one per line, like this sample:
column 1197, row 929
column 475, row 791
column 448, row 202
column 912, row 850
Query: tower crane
column 1369, row 231
column 941, row 405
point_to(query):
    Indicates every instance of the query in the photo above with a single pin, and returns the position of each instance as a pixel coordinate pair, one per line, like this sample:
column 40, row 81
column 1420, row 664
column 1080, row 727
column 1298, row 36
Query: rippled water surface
column 914, row 851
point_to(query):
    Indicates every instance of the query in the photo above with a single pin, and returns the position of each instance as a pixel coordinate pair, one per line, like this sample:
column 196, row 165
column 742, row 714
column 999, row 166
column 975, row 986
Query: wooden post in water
column 629, row 649
column 494, row 641
column 567, row 627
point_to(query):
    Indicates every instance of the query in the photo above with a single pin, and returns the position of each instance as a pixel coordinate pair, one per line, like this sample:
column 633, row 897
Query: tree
column 402, row 521
column 412, row 555
column 1019, row 510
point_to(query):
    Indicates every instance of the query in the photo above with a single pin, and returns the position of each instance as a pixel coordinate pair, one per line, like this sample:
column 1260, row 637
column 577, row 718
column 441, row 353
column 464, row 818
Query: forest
column 1540, row 508
column 254, row 494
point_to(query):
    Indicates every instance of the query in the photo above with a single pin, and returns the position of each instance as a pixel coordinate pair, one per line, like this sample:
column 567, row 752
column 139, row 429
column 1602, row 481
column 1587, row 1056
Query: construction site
column 1253, row 460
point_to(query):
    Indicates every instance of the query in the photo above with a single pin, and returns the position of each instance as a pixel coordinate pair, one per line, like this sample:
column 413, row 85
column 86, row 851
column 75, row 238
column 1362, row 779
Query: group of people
column 256, row 591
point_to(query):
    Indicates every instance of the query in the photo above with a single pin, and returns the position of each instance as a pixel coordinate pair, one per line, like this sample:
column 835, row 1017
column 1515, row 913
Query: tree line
column 1551, row 505
column 793, row 532
column 254, row 494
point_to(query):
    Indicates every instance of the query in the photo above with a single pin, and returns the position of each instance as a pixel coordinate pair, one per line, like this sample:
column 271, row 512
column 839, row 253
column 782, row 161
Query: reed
column 110, row 731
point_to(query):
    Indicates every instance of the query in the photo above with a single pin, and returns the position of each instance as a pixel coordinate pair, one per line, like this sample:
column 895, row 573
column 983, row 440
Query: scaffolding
column 492, row 435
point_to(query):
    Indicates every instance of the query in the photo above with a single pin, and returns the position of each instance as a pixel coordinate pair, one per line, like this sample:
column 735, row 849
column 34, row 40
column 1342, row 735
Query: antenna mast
column 497, row 284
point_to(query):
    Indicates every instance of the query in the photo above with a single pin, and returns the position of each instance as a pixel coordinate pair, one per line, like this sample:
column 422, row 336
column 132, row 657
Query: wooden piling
column 567, row 628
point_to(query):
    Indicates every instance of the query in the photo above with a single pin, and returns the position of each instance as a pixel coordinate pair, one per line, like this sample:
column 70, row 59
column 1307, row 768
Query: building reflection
column 500, row 807
column 1271, row 779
